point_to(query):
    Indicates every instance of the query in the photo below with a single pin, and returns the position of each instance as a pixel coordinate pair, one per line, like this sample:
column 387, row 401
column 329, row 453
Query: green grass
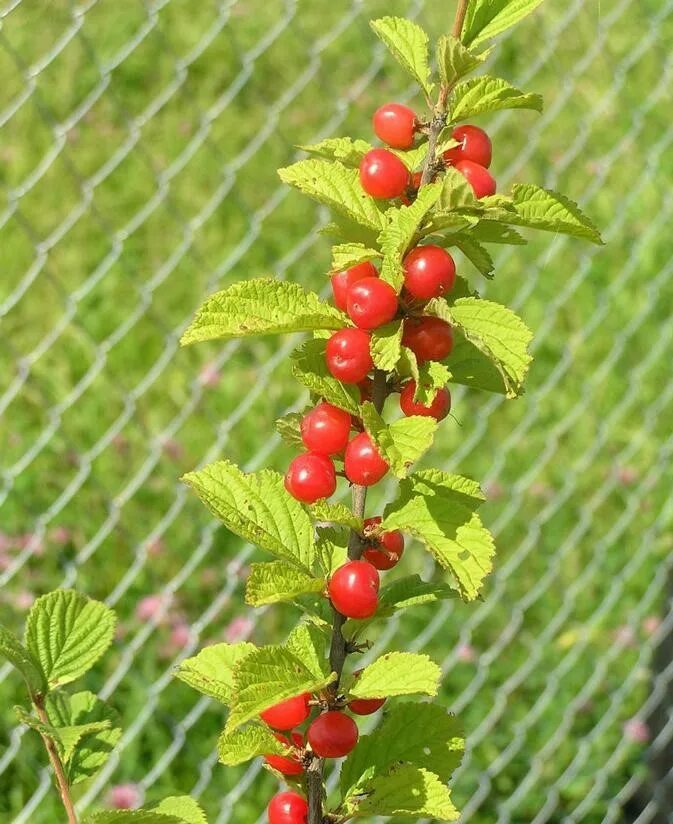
column 112, row 484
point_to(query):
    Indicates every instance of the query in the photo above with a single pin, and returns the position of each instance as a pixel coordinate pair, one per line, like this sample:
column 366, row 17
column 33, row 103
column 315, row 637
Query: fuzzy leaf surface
column 438, row 509
column 211, row 672
column 487, row 18
column 267, row 676
column 397, row 673
column 404, row 790
column 499, row 334
column 257, row 507
column 66, row 633
column 262, row 306
column 408, row 44
column 336, row 186
column 402, row 226
column 289, row 429
column 346, row 255
column 270, row 583
column 350, row 152
column 22, row 660
column 489, row 94
column 386, row 345
column 544, row 209
column 455, row 60
column 402, row 442
column 310, row 369
column 249, row 742
column 85, row 709
column 423, row 735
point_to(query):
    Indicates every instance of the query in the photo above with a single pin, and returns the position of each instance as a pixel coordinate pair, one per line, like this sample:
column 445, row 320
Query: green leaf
column 401, row 228
column 257, row 507
column 385, row 346
column 401, row 443
column 490, row 231
column 66, row 738
column 404, row 790
column 249, row 742
column 289, row 429
column 347, row 232
column 438, row 509
column 336, row 186
column 454, row 60
column 264, row 306
column 182, row 807
column 397, row 673
column 310, row 368
column 348, row 151
column 346, row 255
column 331, row 548
column 308, row 644
column 21, row 659
column 103, row 730
column 475, row 253
column 135, row 817
column 266, row 677
column 499, row 334
column 411, row 591
column 66, row 633
column 408, row 44
column 277, row 581
column 487, row 18
column 489, row 94
column 431, row 377
column 413, row 158
column 211, row 672
column 456, row 193
column 537, row 208
column 443, row 223
column 335, row 513
column 424, row 735
column 471, row 367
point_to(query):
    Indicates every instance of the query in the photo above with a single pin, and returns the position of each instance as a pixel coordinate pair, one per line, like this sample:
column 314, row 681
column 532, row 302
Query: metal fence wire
column 138, row 148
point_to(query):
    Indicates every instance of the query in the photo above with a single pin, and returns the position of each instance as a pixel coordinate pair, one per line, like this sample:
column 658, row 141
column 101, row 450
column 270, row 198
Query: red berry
column 347, row 355
column 371, row 302
column 289, row 713
column 429, row 338
column 333, row 735
column 475, row 145
column 309, row 477
column 326, row 429
column 343, row 280
column 288, row 808
column 287, row 764
column 480, row 179
column 412, row 189
column 438, row 409
column 366, row 706
column 429, row 272
column 354, row 589
column 382, row 174
column 385, row 551
column 395, row 125
column 362, row 463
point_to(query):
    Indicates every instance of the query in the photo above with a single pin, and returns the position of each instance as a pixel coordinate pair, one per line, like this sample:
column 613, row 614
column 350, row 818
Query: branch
column 56, row 763
column 338, row 648
column 439, row 114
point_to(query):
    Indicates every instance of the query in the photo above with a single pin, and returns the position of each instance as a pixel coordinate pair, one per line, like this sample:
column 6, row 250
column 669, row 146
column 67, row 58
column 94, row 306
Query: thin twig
column 56, row 763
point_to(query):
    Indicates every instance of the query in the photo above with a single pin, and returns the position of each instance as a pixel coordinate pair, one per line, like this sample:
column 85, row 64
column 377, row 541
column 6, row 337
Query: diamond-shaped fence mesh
column 138, row 147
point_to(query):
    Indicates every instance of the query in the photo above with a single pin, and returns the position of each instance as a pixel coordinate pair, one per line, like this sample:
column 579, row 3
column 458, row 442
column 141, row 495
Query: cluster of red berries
column 327, row 431
column 332, row 734
column 384, row 176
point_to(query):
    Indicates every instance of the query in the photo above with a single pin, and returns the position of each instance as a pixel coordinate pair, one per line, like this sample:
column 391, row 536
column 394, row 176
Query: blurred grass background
column 138, row 149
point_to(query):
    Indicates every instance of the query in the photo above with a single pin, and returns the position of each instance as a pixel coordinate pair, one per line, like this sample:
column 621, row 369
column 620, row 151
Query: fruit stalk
column 57, row 764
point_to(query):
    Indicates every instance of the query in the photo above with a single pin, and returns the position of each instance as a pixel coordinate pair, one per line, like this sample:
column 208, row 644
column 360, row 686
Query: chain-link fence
column 138, row 148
